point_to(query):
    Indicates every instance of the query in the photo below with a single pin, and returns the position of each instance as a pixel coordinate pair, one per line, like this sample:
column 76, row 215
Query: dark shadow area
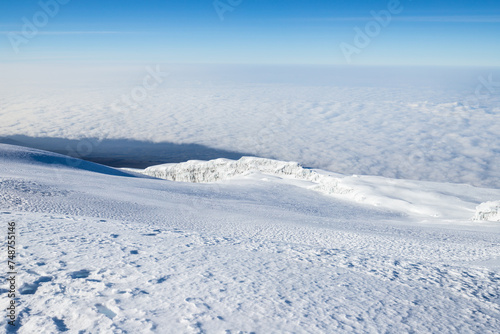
column 122, row 152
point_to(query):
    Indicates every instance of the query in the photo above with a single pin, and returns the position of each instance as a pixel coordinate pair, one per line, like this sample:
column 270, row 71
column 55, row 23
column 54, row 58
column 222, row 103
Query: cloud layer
column 352, row 124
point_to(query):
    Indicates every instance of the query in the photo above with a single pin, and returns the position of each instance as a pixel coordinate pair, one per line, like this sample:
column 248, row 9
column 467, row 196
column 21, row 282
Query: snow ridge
column 223, row 169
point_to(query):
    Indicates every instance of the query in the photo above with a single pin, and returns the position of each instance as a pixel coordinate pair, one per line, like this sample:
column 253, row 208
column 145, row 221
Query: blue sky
column 460, row 33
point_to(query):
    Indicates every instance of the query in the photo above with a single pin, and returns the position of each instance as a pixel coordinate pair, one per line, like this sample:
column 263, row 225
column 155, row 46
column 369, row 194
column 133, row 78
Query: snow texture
column 113, row 253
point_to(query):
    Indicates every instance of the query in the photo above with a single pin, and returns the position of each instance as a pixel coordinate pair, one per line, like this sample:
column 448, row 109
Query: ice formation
column 489, row 211
column 223, row 169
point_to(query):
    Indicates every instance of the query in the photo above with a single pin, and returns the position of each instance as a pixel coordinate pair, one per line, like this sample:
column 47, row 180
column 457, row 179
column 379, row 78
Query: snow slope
column 118, row 253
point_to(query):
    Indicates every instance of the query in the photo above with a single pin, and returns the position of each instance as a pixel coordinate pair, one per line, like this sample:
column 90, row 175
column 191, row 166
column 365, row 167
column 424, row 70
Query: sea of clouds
column 437, row 124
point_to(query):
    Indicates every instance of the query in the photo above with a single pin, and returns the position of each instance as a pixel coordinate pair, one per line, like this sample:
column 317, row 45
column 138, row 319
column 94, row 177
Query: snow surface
column 117, row 252
column 422, row 123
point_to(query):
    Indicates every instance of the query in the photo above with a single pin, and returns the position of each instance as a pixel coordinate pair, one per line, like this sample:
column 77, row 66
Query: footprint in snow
column 31, row 288
column 159, row 280
column 106, row 311
column 61, row 326
column 84, row 273
column 162, row 279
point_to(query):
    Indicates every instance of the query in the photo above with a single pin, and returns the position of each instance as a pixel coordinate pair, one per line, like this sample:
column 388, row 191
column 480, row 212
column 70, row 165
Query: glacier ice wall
column 489, row 211
column 224, row 169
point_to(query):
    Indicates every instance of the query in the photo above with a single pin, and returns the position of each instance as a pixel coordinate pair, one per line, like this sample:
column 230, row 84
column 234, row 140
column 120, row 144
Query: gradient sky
column 437, row 32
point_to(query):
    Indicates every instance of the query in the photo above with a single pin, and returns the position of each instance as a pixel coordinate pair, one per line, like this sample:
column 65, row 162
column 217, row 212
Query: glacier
column 422, row 198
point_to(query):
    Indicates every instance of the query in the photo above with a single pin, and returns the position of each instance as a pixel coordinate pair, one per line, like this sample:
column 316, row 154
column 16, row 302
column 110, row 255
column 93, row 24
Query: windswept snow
column 262, row 253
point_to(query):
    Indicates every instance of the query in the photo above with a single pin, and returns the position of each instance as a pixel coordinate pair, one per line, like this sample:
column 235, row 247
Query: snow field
column 104, row 251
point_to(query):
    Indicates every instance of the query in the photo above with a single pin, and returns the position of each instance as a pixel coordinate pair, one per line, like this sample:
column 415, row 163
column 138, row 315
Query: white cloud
column 345, row 121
